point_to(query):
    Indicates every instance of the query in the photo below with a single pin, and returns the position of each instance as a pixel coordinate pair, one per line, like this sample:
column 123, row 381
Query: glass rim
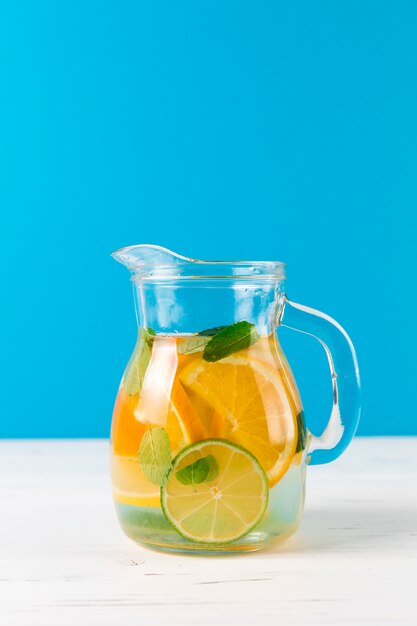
column 149, row 261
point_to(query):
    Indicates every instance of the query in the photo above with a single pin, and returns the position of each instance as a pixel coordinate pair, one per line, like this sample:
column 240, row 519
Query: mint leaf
column 214, row 468
column 193, row 344
column 138, row 362
column 231, row 339
column 302, row 432
column 204, row 469
column 209, row 332
column 155, row 455
column 198, row 342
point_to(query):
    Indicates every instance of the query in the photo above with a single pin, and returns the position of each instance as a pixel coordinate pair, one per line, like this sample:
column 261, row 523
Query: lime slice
column 217, row 506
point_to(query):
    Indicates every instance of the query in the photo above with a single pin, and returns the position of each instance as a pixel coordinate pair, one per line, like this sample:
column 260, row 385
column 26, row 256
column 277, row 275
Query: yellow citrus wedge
column 252, row 407
column 130, row 485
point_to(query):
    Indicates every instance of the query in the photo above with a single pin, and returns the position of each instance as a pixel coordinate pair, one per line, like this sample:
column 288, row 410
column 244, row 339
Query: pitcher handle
column 344, row 370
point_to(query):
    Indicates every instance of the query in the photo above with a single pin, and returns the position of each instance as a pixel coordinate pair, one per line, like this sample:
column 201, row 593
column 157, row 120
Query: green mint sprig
column 198, row 342
column 155, row 455
column 221, row 341
column 302, row 432
column 193, row 344
column 231, row 339
column 155, row 458
column 210, row 332
column 138, row 362
column 202, row 470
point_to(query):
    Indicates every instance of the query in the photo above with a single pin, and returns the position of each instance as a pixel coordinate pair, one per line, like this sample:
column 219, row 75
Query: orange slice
column 252, row 405
column 126, row 431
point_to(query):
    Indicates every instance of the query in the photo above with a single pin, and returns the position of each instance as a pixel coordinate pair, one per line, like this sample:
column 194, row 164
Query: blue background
column 220, row 129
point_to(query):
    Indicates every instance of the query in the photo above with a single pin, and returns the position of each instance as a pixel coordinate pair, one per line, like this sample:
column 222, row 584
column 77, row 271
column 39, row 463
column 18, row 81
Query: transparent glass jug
column 209, row 445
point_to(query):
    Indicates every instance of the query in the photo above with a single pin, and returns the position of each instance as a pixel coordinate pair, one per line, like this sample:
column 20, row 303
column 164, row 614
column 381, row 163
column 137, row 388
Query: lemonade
column 208, row 441
column 209, row 446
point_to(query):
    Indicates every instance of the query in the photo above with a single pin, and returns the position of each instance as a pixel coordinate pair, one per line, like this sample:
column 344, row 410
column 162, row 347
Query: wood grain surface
column 65, row 562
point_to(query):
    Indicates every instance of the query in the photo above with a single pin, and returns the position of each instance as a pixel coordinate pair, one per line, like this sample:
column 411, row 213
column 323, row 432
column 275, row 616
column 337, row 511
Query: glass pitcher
column 209, row 445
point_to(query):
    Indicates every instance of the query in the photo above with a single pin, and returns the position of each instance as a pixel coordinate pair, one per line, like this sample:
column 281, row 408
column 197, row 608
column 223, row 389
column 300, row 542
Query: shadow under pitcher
column 209, row 445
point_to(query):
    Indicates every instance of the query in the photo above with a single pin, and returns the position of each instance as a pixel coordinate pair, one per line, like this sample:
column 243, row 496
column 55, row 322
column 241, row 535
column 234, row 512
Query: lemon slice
column 222, row 506
column 130, row 485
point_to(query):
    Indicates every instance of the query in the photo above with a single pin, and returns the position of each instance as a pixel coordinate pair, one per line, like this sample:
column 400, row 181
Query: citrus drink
column 208, row 441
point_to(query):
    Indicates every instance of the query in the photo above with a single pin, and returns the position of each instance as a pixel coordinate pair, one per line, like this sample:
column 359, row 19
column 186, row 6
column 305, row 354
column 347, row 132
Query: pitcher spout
column 169, row 288
column 148, row 256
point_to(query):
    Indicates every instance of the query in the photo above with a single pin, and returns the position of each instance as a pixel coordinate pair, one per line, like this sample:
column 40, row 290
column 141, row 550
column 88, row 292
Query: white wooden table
column 64, row 560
